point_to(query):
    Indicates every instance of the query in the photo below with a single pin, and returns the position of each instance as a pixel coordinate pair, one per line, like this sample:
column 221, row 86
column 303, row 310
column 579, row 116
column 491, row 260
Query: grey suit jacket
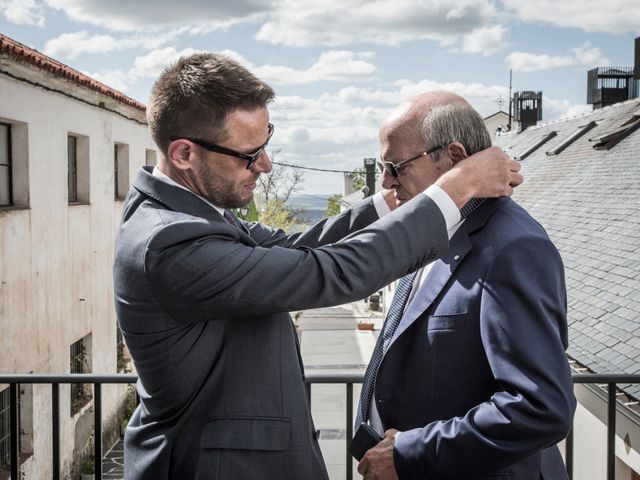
column 203, row 308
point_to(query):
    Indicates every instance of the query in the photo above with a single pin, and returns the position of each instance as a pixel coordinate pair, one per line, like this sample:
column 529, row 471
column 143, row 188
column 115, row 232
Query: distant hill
column 312, row 206
column 310, row 201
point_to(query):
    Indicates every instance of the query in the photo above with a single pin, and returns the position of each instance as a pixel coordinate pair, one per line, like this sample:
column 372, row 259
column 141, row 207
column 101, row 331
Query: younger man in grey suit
column 202, row 298
column 475, row 374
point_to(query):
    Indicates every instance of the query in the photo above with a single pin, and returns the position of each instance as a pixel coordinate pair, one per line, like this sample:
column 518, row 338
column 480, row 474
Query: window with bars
column 78, row 171
column 120, row 170
column 72, row 160
column 80, row 362
column 6, row 172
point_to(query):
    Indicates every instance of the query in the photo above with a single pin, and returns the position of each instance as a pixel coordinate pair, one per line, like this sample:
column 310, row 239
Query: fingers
column 362, row 466
column 516, row 179
column 390, row 433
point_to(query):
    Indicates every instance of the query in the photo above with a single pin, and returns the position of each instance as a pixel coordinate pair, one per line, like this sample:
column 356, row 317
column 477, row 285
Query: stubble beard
column 221, row 191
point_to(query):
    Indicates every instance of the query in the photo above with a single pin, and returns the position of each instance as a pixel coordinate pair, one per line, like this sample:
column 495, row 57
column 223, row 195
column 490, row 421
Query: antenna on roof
column 510, row 97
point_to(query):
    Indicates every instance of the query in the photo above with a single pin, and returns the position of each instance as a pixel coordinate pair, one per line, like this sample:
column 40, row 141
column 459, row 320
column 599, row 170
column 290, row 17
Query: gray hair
column 455, row 122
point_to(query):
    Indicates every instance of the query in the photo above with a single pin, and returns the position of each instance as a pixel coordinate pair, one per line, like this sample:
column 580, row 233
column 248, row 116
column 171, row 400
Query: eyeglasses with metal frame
column 394, row 168
column 251, row 158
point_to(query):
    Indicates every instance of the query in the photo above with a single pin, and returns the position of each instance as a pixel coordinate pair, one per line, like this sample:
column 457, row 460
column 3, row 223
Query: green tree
column 248, row 213
column 274, row 189
column 277, row 215
column 333, row 205
column 359, row 178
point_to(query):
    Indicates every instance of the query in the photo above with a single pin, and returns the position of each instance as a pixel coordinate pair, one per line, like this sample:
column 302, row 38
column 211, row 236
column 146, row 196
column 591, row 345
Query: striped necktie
column 384, row 339
column 231, row 218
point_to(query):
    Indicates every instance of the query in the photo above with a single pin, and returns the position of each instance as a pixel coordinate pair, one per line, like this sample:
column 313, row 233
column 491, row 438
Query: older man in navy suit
column 471, row 381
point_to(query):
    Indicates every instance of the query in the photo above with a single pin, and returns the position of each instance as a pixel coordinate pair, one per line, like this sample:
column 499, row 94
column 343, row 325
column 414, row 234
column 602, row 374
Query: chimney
column 528, row 108
column 370, row 171
column 636, row 70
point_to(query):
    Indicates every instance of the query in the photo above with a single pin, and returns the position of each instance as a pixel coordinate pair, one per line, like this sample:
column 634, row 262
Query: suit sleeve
column 323, row 232
column 202, row 272
column 523, row 328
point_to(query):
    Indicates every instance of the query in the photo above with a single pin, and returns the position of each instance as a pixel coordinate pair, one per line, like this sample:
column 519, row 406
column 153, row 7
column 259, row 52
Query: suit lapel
column 437, row 278
column 442, row 270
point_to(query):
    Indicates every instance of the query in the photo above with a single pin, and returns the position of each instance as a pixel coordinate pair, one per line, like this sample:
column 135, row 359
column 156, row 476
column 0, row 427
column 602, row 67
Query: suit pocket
column 447, row 321
column 247, row 433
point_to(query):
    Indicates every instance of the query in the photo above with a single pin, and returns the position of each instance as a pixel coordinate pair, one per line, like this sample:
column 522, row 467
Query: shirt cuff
column 381, row 206
column 447, row 206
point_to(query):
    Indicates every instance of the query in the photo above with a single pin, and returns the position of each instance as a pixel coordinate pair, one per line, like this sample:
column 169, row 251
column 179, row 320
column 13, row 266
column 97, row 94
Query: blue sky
column 340, row 66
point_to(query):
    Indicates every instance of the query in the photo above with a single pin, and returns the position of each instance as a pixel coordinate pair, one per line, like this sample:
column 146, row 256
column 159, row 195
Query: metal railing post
column 349, row 429
column 568, row 453
column 611, row 433
column 97, row 425
column 15, row 446
column 55, row 429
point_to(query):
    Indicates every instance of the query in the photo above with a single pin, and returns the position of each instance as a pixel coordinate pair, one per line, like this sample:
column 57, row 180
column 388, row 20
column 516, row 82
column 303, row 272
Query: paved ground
column 343, row 348
column 113, row 463
column 330, row 342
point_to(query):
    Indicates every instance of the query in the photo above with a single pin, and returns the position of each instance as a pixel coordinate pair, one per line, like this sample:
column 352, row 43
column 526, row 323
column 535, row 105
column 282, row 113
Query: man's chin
column 240, row 202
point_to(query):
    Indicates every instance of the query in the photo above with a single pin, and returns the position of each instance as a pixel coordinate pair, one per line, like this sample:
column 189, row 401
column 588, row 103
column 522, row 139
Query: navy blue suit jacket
column 476, row 376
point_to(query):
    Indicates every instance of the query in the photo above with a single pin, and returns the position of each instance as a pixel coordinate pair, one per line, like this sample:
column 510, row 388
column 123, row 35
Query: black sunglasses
column 394, row 168
column 251, row 158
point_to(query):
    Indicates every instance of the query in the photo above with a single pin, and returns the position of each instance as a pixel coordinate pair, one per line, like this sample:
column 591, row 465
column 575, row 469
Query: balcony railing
column 610, row 380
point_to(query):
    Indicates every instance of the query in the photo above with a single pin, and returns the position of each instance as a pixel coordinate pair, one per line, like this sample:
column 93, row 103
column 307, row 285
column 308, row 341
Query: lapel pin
column 457, row 257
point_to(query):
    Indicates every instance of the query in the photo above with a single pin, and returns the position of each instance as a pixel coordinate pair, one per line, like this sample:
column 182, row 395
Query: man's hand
column 489, row 173
column 377, row 463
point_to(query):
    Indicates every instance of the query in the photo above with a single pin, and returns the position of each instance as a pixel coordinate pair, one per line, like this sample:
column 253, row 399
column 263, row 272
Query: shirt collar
column 157, row 173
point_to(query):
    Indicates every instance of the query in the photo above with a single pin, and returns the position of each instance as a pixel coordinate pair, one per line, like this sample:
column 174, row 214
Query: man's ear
column 179, row 154
column 457, row 152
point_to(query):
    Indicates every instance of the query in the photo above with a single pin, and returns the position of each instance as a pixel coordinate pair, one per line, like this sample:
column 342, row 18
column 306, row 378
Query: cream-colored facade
column 498, row 123
column 55, row 256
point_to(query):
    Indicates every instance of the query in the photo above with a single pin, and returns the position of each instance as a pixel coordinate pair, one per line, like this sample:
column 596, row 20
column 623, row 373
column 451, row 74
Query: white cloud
column 136, row 15
column 590, row 56
column 153, row 63
column 340, row 22
column 613, row 16
column 334, row 65
column 531, row 62
column 485, row 41
column 70, row 45
column 23, row 12
column 560, row 109
column 73, row 44
column 116, row 79
column 586, row 55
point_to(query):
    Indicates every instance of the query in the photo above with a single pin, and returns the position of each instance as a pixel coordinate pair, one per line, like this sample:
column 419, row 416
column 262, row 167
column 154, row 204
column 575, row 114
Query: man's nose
column 389, row 181
column 263, row 164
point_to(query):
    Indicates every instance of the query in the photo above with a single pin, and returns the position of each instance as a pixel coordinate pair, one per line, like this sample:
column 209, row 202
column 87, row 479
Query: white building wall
column 500, row 119
column 55, row 258
column 590, row 439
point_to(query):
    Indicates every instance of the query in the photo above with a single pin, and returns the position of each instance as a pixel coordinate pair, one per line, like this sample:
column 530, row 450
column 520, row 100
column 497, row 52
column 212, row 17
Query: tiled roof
column 17, row 50
column 589, row 202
